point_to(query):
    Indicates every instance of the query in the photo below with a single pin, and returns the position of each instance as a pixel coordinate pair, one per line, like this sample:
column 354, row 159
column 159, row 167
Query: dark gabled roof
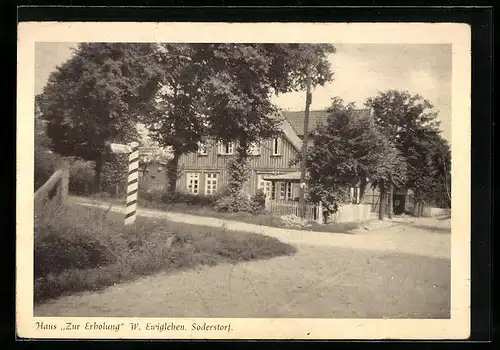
column 296, row 119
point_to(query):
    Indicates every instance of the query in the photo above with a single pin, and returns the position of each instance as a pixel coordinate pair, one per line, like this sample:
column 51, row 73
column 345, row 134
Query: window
column 226, row 148
column 276, row 146
column 193, row 182
column 266, row 186
column 210, row 184
column 286, row 191
column 202, row 148
column 254, row 149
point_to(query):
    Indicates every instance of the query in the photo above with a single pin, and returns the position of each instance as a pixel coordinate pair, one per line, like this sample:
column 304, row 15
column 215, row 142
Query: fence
column 52, row 193
column 288, row 207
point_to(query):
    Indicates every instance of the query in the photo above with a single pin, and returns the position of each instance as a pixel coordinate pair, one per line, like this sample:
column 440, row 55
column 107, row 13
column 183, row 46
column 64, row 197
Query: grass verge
column 79, row 248
column 264, row 219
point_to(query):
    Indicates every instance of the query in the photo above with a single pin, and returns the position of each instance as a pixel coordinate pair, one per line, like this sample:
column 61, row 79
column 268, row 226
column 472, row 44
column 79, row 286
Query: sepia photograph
column 183, row 186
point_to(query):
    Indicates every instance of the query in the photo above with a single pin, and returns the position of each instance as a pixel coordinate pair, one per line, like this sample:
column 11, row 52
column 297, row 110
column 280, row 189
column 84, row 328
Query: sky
column 360, row 72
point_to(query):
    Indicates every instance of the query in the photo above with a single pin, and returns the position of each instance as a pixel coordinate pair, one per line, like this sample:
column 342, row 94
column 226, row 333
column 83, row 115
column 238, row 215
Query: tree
column 348, row 150
column 175, row 116
column 95, row 97
column 411, row 122
column 238, row 94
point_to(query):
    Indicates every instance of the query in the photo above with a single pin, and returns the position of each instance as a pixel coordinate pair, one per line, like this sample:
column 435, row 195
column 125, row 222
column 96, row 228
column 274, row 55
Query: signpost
column 133, row 176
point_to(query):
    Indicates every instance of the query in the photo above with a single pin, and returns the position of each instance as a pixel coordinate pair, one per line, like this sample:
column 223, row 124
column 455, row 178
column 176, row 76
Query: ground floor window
column 193, row 182
column 286, row 190
column 266, row 186
column 210, row 183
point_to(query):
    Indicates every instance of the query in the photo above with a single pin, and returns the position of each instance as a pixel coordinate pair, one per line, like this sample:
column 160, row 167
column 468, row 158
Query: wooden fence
column 288, row 207
column 52, row 193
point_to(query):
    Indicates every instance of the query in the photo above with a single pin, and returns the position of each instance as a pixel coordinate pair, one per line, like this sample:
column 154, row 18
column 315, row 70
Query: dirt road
column 400, row 271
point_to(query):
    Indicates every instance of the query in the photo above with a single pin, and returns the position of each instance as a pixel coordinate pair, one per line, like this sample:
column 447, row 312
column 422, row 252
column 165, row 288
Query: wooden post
column 304, row 146
column 132, row 185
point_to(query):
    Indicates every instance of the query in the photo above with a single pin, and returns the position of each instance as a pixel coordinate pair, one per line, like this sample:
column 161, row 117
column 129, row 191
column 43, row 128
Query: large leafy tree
column 411, row 123
column 243, row 79
column 175, row 116
column 349, row 150
column 223, row 92
column 95, row 97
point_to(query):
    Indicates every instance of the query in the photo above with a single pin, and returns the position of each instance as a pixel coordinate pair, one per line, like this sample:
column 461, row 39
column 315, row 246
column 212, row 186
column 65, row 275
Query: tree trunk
column 362, row 189
column 172, row 172
column 97, row 173
column 391, row 205
column 381, row 208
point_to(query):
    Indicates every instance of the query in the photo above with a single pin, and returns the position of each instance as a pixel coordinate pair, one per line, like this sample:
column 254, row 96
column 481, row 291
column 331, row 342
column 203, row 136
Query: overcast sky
column 361, row 70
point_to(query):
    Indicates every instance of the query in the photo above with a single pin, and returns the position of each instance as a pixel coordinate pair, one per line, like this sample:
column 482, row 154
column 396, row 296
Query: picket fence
column 346, row 213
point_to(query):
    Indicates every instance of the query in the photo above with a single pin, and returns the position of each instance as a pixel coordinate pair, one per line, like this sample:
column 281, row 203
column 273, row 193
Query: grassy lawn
column 265, row 219
column 80, row 248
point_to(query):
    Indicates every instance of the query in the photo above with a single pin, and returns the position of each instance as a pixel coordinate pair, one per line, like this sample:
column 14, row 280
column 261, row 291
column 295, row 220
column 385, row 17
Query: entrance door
column 399, row 204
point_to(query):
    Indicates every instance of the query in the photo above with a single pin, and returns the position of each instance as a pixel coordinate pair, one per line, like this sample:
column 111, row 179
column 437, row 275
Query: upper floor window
column 226, row 148
column 202, row 148
column 277, row 144
column 254, row 149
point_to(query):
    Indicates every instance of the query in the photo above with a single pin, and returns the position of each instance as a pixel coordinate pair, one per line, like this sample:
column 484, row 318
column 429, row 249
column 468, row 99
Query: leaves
column 412, row 125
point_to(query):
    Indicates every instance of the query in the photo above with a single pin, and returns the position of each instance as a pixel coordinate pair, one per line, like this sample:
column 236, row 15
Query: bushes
column 82, row 248
column 235, row 202
column 81, row 177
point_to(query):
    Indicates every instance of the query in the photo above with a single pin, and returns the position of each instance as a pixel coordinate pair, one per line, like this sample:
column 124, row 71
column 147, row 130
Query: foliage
column 81, row 175
column 95, row 97
column 410, row 122
column 82, row 249
column 347, row 151
column 235, row 202
column 259, row 199
column 243, row 78
column 115, row 173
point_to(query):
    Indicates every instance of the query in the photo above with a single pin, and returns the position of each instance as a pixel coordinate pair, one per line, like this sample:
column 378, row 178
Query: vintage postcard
column 243, row 181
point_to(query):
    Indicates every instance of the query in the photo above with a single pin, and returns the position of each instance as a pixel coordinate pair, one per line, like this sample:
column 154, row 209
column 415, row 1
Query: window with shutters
column 226, row 148
column 210, row 184
column 193, row 182
column 277, row 146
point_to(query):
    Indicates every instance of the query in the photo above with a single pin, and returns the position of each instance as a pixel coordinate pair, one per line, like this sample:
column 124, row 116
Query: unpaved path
column 367, row 275
column 423, row 236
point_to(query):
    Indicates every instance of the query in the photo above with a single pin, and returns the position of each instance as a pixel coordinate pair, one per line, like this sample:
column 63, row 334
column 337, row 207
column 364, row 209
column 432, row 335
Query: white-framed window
column 193, row 182
column 266, row 186
column 276, row 144
column 211, row 183
column 202, row 148
column 289, row 190
column 226, row 148
column 286, row 190
column 254, row 149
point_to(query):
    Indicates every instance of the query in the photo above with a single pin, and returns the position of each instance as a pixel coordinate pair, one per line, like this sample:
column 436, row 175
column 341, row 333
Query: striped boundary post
column 132, row 184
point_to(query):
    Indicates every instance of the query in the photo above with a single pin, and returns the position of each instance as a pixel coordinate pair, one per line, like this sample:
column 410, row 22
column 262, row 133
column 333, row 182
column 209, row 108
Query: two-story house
column 206, row 171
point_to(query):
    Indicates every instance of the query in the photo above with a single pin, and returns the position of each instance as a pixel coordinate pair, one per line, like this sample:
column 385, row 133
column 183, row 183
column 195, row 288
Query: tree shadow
column 427, row 227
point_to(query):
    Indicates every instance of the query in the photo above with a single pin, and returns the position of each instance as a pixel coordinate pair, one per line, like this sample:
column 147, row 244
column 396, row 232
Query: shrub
column 81, row 177
column 189, row 199
column 46, row 164
column 259, row 200
column 236, row 202
column 68, row 241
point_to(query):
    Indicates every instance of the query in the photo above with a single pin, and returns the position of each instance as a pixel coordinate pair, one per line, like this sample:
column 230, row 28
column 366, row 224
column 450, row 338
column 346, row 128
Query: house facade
column 205, row 172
